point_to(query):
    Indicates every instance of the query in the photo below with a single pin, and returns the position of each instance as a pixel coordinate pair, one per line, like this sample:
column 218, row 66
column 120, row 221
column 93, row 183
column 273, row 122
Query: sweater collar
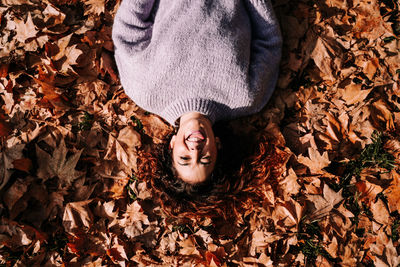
column 211, row 109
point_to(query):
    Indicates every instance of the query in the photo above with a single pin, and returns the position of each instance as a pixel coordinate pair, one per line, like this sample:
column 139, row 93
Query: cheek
column 178, row 151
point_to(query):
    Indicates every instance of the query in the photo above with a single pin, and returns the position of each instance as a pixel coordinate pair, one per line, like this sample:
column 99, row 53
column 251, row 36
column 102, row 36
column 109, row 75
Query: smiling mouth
column 196, row 137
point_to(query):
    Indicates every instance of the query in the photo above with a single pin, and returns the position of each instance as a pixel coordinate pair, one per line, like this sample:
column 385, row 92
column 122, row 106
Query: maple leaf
column 124, row 147
column 96, row 7
column 287, row 214
column 58, row 165
column 315, row 162
column 52, row 12
column 290, row 185
column 25, row 30
column 325, row 203
column 133, row 220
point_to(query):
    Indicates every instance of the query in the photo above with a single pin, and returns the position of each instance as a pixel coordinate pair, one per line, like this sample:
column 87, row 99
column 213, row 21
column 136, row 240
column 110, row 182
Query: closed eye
column 205, row 160
column 184, row 161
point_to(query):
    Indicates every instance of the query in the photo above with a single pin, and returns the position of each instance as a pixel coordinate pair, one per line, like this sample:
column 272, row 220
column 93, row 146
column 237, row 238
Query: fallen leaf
column 380, row 212
column 7, row 156
column 25, row 30
column 393, row 192
column 188, row 247
column 58, row 165
column 77, row 216
column 23, row 164
column 326, row 202
column 94, row 7
column 353, row 94
column 315, row 162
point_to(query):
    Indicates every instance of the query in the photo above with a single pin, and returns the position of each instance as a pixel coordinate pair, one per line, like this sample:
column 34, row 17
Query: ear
column 218, row 143
column 172, row 142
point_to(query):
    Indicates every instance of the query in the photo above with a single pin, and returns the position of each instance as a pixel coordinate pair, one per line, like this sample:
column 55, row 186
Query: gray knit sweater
column 216, row 57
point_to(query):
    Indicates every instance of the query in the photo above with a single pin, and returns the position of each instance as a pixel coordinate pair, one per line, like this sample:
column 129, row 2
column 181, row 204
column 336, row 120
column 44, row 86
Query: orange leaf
column 47, row 89
column 23, row 164
column 114, row 254
column 211, row 257
column 3, row 70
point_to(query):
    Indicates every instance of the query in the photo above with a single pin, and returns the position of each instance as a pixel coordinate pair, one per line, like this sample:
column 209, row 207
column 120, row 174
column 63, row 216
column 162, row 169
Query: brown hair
column 236, row 182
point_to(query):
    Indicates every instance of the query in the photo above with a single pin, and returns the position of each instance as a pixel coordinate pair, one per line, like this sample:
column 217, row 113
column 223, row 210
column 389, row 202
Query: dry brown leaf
column 96, row 7
column 382, row 116
column 289, row 185
column 23, row 164
column 15, row 192
column 155, row 127
column 326, row 202
column 54, row 14
column 393, row 192
column 77, row 216
column 188, row 247
column 7, row 157
column 133, row 220
column 124, row 147
column 380, row 212
column 25, row 29
column 287, row 214
column 315, row 162
column 353, row 94
column 58, row 165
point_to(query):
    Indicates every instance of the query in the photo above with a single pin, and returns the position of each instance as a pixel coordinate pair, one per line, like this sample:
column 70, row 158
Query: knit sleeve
column 132, row 28
column 266, row 46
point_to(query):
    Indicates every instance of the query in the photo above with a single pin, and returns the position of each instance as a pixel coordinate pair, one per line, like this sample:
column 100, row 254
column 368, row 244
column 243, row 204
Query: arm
column 266, row 46
column 132, row 26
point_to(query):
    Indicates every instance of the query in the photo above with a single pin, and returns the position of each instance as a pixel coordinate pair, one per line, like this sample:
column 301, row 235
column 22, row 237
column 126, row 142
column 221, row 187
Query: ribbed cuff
column 211, row 109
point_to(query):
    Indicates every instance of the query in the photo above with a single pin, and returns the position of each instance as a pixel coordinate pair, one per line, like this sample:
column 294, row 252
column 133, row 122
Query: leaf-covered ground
column 70, row 140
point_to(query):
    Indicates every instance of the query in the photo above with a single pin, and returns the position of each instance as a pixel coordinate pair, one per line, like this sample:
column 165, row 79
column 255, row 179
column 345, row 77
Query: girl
column 195, row 62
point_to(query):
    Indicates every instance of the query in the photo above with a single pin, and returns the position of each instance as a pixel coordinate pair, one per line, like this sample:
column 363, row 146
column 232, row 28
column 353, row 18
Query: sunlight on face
column 194, row 148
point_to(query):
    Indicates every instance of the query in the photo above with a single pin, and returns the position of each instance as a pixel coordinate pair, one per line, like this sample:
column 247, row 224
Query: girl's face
column 194, row 148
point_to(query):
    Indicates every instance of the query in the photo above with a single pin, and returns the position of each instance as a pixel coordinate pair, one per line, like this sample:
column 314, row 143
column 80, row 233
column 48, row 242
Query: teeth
column 195, row 139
